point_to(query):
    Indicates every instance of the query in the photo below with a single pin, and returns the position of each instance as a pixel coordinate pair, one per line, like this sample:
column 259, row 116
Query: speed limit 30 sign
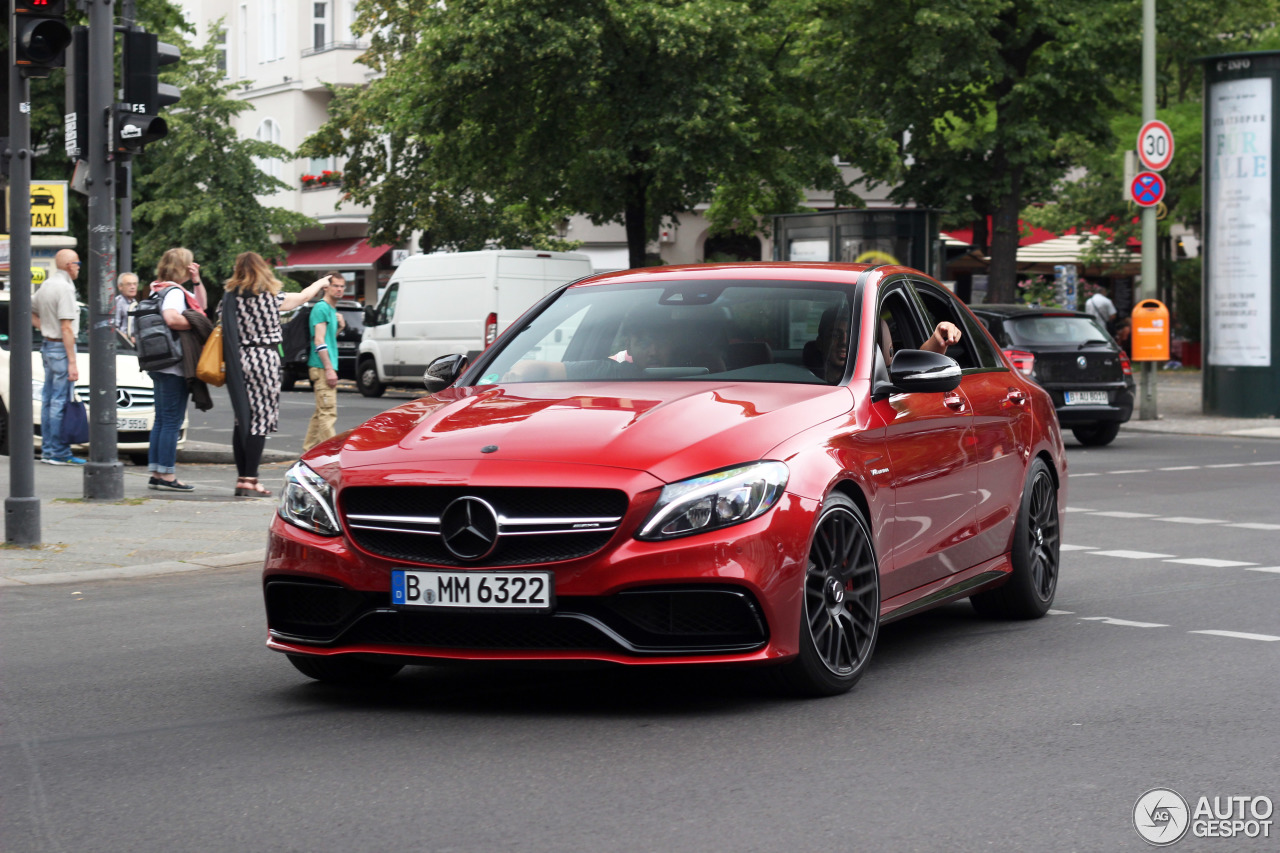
column 1155, row 145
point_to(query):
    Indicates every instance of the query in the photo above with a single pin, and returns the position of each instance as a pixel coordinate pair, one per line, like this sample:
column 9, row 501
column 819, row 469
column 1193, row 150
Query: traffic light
column 138, row 119
column 40, row 35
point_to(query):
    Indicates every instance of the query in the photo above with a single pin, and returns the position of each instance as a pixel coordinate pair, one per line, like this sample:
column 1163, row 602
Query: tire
column 840, row 613
column 1029, row 591
column 1099, row 435
column 367, row 379
column 344, row 669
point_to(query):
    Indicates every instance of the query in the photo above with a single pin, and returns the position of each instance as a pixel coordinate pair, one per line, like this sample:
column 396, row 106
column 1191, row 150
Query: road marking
column 1229, row 465
column 1178, row 519
column 1239, row 635
column 1124, row 623
column 1182, row 468
column 1132, row 471
column 1060, row 612
column 1121, row 514
column 1077, row 548
column 1255, row 525
column 1211, row 562
column 1079, row 509
column 1275, row 570
column 1077, row 476
column 1132, row 555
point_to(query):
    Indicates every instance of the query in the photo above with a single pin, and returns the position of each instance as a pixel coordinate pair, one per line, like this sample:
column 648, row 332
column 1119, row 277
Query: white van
column 441, row 304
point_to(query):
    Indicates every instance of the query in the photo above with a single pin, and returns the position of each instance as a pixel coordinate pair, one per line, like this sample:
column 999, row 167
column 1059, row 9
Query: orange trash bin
column 1150, row 331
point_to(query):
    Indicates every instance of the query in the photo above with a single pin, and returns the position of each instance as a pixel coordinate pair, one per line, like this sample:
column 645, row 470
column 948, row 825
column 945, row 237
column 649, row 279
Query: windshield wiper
column 1094, row 342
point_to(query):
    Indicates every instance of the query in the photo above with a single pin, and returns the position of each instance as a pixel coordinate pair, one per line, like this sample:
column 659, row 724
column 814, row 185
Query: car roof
column 1017, row 310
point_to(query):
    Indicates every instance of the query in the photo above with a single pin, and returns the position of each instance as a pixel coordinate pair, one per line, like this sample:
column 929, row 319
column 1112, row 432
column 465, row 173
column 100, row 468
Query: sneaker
column 70, row 460
column 168, row 485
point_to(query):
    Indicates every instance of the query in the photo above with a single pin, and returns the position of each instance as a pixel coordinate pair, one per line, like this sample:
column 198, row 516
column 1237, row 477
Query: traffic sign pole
column 1147, row 394
column 21, row 507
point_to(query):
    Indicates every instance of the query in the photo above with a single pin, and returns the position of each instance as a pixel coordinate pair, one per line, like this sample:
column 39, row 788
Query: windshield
column 696, row 330
column 1061, row 329
column 82, row 339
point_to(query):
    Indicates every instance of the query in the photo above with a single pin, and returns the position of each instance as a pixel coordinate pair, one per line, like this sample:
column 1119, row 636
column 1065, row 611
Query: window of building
column 242, row 44
column 270, row 32
column 269, row 131
column 319, row 25
column 221, row 40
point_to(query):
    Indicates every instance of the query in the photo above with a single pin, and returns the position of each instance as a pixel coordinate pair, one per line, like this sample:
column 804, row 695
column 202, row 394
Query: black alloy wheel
column 841, row 611
column 367, row 379
column 1029, row 591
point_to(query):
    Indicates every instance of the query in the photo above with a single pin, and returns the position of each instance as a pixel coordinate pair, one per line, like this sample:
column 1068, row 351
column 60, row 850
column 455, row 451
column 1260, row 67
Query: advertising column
column 1241, row 375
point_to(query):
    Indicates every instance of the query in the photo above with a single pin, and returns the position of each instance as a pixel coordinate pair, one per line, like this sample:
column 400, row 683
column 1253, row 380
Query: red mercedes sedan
column 756, row 464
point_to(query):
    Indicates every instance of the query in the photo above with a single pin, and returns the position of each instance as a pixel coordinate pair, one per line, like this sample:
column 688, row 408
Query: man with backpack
column 323, row 363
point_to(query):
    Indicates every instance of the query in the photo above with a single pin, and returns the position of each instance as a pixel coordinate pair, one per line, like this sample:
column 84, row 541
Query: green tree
column 988, row 98
column 491, row 119
column 199, row 187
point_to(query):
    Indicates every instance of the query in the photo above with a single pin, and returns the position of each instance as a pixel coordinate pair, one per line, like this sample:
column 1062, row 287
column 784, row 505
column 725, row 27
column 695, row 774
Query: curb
column 170, row 567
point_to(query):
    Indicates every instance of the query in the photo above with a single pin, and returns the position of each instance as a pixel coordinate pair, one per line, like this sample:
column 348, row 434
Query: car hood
column 670, row 430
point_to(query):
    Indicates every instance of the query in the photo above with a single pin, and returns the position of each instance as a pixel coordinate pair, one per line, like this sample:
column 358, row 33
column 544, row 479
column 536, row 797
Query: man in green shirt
column 322, row 366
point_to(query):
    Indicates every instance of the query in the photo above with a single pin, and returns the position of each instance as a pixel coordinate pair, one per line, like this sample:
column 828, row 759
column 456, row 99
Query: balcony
column 333, row 63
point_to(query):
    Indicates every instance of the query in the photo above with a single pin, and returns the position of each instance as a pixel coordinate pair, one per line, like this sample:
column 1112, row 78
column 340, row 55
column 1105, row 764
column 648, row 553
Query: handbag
column 212, row 367
column 75, row 420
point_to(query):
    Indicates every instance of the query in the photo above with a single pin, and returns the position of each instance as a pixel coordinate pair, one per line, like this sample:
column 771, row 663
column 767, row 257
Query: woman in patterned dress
column 251, row 335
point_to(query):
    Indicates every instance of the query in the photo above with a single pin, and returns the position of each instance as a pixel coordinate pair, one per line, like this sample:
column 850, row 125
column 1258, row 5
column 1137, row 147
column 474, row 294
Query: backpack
column 157, row 344
column 297, row 337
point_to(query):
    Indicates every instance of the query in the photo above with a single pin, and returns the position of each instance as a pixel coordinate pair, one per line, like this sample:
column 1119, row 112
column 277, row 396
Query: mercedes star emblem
column 469, row 527
column 123, row 398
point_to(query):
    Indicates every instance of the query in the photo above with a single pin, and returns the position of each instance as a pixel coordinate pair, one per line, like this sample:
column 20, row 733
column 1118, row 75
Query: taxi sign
column 49, row 206
column 1147, row 189
column 1155, row 145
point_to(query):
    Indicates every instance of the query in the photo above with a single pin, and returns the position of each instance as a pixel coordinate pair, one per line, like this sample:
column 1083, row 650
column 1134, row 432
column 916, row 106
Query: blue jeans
column 53, row 402
column 171, row 408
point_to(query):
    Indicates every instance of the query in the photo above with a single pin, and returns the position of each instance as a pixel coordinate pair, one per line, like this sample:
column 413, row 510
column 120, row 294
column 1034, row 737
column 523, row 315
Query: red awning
column 348, row 254
column 1028, row 234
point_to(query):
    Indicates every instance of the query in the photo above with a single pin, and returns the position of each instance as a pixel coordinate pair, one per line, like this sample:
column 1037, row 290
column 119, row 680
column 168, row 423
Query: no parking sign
column 1147, row 189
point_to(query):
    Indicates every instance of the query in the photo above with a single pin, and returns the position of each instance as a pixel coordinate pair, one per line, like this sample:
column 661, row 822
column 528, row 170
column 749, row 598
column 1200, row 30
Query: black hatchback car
column 1085, row 371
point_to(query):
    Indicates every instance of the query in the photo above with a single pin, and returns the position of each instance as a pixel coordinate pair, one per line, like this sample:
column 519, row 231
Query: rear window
column 1029, row 331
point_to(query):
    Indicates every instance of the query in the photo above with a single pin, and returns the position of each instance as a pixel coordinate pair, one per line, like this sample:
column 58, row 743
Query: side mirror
column 915, row 371
column 371, row 315
column 443, row 372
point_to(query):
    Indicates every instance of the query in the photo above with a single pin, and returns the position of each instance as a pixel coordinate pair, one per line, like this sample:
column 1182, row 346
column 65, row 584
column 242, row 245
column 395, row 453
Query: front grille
column 534, row 525
column 1063, row 368
column 685, row 620
column 128, row 397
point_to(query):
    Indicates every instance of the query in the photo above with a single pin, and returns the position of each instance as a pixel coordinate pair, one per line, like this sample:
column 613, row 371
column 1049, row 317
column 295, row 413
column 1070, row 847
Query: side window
column 938, row 308
column 387, row 310
column 897, row 329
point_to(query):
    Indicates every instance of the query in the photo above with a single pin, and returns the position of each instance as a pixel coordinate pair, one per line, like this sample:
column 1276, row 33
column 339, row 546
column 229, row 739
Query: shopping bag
column 211, row 368
column 75, row 420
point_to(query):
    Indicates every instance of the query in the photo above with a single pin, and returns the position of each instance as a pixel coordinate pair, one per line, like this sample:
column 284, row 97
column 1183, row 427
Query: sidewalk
column 153, row 533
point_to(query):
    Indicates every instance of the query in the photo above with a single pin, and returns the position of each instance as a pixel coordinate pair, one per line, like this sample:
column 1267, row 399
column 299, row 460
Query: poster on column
column 1239, row 238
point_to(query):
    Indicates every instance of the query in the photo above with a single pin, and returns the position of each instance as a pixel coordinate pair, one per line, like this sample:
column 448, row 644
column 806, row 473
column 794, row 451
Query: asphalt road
column 147, row 716
column 296, row 407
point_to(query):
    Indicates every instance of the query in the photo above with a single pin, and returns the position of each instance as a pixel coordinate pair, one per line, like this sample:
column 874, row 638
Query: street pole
column 103, row 475
column 1147, row 393
column 22, row 507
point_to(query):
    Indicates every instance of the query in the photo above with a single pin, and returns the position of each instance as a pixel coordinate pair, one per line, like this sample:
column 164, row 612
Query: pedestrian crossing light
column 138, row 120
column 40, row 35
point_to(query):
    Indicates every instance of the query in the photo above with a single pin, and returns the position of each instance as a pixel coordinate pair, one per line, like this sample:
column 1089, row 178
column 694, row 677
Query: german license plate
column 1086, row 398
column 132, row 423
column 346, row 344
column 473, row 590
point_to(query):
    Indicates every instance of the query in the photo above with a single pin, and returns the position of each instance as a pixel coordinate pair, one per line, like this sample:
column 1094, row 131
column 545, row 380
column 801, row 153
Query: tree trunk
column 634, row 217
column 1003, row 272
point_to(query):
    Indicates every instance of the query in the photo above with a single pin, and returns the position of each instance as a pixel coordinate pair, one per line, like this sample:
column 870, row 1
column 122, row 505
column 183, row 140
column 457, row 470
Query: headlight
column 712, row 501
column 307, row 501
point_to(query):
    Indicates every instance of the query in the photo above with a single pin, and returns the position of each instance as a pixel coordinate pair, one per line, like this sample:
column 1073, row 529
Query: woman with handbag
column 251, row 335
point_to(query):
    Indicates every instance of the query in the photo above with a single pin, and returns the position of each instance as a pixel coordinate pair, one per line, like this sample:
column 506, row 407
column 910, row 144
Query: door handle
column 1016, row 397
column 954, row 402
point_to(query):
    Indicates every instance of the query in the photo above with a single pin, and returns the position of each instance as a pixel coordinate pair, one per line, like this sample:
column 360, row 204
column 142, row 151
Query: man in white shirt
column 1102, row 308
column 55, row 312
